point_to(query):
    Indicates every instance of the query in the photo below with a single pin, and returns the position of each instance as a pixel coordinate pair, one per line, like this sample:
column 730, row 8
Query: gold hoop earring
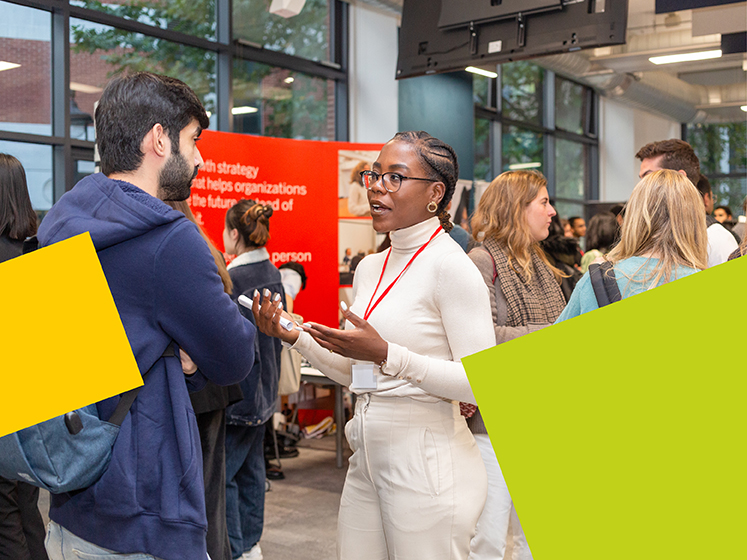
column 432, row 207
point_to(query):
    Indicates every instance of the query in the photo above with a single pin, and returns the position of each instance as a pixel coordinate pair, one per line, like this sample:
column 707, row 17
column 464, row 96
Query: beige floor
column 300, row 511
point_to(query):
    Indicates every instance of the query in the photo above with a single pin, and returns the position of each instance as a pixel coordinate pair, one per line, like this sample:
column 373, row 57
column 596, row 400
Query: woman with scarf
column 512, row 218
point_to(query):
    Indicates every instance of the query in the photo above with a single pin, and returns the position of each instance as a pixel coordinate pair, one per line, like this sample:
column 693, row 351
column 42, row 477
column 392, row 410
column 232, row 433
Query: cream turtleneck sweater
column 437, row 313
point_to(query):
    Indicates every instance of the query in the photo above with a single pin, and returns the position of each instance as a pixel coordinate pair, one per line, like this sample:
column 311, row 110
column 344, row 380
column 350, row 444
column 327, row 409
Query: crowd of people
column 187, row 474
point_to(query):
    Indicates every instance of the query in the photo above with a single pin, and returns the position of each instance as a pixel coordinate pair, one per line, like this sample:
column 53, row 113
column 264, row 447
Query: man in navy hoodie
column 150, row 501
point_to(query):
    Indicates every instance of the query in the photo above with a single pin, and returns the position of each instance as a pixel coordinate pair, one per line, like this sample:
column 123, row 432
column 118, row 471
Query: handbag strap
column 603, row 282
column 126, row 399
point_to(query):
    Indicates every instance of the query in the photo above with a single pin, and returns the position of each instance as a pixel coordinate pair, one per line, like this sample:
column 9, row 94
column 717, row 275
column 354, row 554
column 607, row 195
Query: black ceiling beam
column 666, row 6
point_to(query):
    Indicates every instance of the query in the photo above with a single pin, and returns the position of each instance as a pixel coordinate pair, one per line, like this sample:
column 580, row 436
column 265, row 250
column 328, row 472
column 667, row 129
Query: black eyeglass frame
column 381, row 176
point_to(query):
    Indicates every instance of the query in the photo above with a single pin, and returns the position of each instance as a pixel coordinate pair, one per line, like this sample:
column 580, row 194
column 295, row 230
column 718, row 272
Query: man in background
column 679, row 156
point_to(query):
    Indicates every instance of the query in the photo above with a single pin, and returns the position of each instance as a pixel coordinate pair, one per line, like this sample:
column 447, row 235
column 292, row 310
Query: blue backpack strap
column 126, row 400
column 603, row 282
column 73, row 422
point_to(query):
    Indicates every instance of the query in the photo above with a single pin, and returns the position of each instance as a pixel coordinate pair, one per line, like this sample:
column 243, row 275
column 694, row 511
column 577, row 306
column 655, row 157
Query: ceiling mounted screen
column 455, row 14
column 452, row 34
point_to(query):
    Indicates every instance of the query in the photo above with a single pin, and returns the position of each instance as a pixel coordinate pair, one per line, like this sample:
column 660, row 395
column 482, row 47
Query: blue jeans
column 61, row 544
column 245, row 486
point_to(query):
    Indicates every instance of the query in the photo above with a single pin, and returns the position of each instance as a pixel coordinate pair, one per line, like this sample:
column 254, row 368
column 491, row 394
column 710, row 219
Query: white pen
column 285, row 323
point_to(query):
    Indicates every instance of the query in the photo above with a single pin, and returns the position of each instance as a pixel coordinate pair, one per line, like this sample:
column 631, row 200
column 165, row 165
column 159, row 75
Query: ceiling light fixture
column 8, row 65
column 286, row 8
column 529, row 165
column 481, row 72
column 246, row 110
column 685, row 57
column 84, row 88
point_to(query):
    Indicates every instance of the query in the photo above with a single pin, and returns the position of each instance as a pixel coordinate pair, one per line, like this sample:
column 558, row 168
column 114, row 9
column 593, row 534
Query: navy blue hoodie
column 166, row 287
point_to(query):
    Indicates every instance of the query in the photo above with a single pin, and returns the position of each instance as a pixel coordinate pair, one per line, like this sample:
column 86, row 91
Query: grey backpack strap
column 126, row 400
column 603, row 282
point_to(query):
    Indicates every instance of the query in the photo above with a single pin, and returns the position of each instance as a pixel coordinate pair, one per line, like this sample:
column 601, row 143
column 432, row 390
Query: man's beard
column 175, row 179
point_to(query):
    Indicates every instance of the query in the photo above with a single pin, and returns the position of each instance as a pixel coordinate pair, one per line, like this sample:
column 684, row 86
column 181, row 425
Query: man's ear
column 156, row 141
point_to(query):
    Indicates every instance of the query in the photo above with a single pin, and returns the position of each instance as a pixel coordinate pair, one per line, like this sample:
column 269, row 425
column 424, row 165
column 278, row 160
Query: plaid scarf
column 537, row 301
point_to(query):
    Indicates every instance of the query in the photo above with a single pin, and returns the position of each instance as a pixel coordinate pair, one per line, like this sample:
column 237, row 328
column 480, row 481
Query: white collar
column 413, row 236
column 250, row 257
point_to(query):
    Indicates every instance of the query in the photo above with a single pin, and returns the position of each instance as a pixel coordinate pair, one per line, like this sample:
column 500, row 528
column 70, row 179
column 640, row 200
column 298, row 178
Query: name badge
column 364, row 376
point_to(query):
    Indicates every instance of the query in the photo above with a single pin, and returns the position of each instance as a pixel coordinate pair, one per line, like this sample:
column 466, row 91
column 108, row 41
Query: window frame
column 589, row 138
column 67, row 150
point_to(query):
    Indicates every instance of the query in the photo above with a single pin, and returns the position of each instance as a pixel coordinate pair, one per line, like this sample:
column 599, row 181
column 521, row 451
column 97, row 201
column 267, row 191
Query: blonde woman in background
column 357, row 197
column 513, row 215
column 663, row 238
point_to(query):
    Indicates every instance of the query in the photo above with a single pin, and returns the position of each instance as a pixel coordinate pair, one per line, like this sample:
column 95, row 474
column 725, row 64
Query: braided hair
column 252, row 220
column 441, row 159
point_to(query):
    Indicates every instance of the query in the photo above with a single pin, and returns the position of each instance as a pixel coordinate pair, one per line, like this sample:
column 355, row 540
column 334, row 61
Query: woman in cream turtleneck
column 416, row 483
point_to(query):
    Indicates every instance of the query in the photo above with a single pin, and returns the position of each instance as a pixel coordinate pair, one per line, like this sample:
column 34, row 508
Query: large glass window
column 277, row 102
column 521, row 90
column 37, row 162
column 480, row 89
column 483, row 169
column 522, row 149
column 25, row 70
column 546, row 123
column 274, row 90
column 305, row 35
column 570, row 105
column 569, row 209
column 97, row 52
column 722, row 150
column 193, row 17
column 570, row 169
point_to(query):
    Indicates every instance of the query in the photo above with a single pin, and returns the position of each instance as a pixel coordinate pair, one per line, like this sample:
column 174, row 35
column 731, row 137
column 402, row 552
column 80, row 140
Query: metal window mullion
column 62, row 161
column 339, row 42
column 143, row 28
column 548, row 100
column 224, row 62
column 496, row 147
column 548, row 122
column 498, row 105
column 592, row 190
column 573, row 137
column 549, row 167
column 46, row 5
column 275, row 58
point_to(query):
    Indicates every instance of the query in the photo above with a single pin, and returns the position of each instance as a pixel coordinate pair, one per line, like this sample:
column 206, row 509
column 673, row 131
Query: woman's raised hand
column 267, row 313
column 361, row 343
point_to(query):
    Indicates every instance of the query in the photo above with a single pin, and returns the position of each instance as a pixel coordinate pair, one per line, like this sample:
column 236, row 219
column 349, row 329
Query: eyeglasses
column 390, row 180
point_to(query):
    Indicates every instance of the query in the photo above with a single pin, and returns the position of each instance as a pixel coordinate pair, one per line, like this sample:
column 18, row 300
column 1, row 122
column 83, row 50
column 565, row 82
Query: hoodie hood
column 112, row 211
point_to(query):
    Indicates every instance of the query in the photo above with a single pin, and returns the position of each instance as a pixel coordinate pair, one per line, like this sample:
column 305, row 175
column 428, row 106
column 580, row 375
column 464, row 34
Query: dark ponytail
column 442, row 160
column 252, row 220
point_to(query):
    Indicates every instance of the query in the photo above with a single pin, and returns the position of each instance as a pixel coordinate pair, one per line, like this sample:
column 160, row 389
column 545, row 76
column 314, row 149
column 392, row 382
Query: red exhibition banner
column 299, row 179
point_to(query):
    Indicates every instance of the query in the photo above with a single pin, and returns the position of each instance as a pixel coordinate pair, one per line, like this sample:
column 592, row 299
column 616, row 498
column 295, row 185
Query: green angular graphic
column 621, row 433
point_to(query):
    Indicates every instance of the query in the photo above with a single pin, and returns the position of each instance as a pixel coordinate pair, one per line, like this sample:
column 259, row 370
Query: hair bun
column 267, row 211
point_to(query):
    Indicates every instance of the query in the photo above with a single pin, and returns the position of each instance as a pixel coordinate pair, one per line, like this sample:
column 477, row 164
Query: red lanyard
column 370, row 308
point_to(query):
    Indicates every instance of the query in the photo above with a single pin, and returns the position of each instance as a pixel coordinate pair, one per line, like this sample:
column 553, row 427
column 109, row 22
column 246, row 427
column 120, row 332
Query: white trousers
column 416, row 483
column 499, row 534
